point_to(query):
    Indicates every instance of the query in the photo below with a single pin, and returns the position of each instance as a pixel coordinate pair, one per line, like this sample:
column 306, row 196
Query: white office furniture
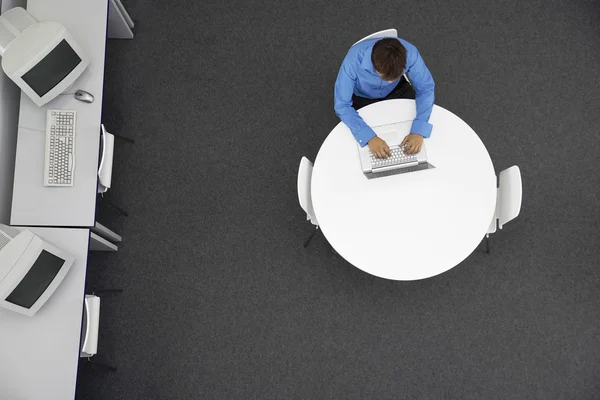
column 120, row 24
column 91, row 326
column 106, row 166
column 39, row 355
column 61, row 135
column 106, row 233
column 508, row 200
column 44, row 61
column 31, row 269
column 10, row 96
column 123, row 12
column 12, row 24
column 408, row 226
column 304, row 195
column 32, row 202
column 383, row 34
column 98, row 243
column 106, row 161
column 510, row 195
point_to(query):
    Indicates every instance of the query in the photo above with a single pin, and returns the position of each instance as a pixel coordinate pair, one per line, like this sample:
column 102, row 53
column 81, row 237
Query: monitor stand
column 68, row 90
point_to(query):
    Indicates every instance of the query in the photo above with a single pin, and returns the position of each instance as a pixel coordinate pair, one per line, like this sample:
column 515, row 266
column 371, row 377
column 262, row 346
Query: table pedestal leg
column 310, row 238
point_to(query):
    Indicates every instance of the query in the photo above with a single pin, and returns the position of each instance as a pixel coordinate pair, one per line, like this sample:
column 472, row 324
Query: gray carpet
column 222, row 301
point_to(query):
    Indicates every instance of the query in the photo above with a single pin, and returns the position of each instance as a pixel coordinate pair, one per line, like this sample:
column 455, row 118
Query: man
column 372, row 71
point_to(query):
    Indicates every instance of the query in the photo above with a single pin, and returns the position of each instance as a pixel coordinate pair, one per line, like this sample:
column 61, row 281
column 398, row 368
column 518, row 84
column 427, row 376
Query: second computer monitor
column 30, row 270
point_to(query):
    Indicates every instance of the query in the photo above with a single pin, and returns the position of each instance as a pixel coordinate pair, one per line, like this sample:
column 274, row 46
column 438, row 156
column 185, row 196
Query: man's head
column 389, row 58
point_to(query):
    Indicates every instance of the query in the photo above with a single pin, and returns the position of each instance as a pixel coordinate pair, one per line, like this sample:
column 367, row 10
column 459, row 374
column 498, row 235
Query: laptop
column 399, row 163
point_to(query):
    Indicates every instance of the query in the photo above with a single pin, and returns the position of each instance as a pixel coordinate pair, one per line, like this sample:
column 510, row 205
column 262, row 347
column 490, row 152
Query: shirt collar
column 366, row 63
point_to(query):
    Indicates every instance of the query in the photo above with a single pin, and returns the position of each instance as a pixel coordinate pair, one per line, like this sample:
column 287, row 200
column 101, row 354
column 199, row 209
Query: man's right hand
column 379, row 147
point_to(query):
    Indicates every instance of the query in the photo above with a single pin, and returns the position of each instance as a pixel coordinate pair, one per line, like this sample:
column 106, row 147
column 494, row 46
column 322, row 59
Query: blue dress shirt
column 358, row 76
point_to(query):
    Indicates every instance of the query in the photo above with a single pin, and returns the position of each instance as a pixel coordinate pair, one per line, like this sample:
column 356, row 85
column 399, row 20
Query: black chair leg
column 487, row 244
column 116, row 207
column 106, row 291
column 333, row 250
column 123, row 138
column 102, row 365
column 311, row 236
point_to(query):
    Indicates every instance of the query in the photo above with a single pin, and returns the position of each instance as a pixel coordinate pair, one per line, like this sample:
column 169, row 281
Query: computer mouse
column 84, row 96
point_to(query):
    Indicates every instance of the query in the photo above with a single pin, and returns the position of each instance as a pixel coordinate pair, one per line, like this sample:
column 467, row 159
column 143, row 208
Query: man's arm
column 344, row 88
column 422, row 81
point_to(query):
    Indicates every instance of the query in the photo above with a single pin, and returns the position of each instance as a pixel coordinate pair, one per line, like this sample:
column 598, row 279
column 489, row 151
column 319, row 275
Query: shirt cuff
column 364, row 135
column 421, row 127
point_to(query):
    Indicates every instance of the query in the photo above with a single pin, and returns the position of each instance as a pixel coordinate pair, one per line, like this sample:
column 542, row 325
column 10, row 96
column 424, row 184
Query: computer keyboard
column 397, row 158
column 59, row 165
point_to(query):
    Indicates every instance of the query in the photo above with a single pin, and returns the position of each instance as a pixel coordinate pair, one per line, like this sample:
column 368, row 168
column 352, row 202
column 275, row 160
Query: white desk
column 39, row 355
column 408, row 226
column 34, row 204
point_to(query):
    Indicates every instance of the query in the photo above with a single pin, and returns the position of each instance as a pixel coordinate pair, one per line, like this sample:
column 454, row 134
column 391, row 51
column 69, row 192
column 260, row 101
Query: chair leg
column 487, row 244
column 123, row 138
column 333, row 250
column 113, row 205
column 100, row 364
column 105, row 291
column 311, row 236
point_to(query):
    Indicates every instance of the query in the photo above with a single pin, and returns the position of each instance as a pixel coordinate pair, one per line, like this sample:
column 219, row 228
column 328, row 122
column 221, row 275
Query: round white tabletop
column 407, row 226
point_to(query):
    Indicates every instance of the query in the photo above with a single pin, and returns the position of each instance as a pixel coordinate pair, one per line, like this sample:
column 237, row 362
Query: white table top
column 39, row 355
column 408, row 226
column 33, row 203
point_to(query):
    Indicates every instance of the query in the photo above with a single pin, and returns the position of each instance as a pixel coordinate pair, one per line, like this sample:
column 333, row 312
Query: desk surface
column 39, row 355
column 34, row 204
column 408, row 226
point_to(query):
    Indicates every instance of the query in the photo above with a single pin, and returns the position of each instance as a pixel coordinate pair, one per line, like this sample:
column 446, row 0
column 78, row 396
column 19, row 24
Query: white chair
column 91, row 327
column 106, row 161
column 106, row 166
column 383, row 34
column 508, row 200
column 91, row 324
column 304, row 194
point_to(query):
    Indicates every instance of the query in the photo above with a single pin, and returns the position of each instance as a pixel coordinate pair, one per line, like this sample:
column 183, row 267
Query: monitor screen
column 37, row 280
column 52, row 69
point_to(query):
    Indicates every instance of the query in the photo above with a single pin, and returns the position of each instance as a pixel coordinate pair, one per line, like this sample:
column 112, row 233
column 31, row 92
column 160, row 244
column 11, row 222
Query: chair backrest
column 89, row 344
column 510, row 194
column 380, row 34
column 106, row 162
column 304, row 193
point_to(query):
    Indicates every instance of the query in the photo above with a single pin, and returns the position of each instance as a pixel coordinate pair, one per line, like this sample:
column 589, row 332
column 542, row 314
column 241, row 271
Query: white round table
column 408, row 226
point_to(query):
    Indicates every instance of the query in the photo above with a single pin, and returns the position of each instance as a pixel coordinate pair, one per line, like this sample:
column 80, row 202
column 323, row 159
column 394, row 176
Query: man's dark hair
column 389, row 58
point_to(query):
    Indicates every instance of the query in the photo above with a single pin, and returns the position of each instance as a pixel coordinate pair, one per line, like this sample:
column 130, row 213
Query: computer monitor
column 30, row 270
column 43, row 60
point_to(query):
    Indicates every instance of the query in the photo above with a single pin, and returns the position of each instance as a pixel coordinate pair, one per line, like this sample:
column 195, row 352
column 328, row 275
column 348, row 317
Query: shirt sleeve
column 422, row 81
column 344, row 88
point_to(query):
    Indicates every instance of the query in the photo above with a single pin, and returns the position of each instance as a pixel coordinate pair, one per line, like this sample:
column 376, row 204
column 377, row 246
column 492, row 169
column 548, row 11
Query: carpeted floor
column 222, row 301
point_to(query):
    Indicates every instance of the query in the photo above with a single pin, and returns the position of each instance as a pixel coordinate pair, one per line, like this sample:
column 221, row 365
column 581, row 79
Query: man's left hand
column 412, row 143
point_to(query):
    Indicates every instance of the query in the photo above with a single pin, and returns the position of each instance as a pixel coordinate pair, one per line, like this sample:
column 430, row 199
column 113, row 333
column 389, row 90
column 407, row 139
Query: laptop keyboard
column 420, row 167
column 397, row 158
